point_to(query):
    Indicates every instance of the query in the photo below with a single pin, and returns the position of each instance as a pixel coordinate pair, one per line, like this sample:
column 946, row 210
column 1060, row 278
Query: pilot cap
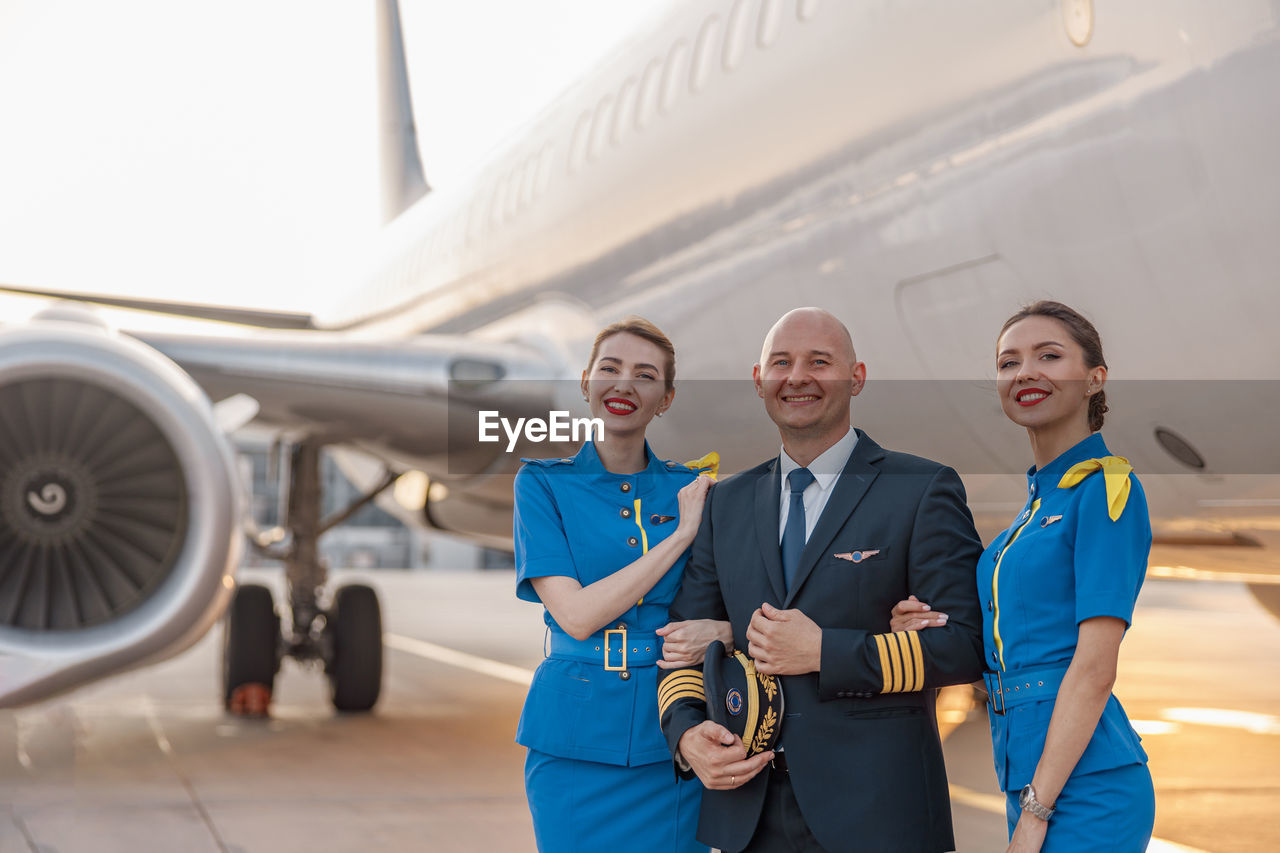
column 746, row 702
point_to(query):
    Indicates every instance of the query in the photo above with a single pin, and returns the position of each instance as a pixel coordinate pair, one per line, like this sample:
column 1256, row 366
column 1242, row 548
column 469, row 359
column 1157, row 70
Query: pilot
column 1059, row 588
column 601, row 540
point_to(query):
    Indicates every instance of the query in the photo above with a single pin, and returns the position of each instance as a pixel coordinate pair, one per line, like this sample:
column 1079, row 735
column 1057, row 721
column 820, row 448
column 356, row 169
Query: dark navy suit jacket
column 860, row 736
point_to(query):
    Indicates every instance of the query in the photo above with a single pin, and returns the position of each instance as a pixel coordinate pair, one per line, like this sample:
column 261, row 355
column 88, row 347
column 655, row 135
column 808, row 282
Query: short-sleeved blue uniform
column 1077, row 550
column 598, row 773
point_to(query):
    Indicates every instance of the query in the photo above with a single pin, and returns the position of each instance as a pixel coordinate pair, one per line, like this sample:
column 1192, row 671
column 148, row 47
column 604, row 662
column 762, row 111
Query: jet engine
column 119, row 508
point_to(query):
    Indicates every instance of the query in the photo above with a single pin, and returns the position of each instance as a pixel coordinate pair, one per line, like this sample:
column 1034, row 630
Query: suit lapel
column 768, row 487
column 858, row 474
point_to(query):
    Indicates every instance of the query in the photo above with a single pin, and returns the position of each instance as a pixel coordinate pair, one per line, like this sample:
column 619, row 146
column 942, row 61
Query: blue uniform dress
column 598, row 774
column 1077, row 550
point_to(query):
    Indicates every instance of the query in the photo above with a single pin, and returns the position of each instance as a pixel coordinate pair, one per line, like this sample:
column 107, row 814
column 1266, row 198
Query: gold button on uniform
column 626, row 487
column 626, row 513
column 633, row 541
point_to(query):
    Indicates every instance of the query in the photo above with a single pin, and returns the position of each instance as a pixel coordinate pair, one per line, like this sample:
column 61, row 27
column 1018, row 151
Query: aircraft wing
column 222, row 313
column 399, row 399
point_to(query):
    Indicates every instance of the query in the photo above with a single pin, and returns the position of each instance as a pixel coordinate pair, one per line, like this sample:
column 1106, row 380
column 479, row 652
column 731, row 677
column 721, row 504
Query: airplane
column 921, row 170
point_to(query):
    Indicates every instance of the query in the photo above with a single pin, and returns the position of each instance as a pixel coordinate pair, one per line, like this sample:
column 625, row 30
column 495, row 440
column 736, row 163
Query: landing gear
column 250, row 652
column 355, row 669
column 345, row 638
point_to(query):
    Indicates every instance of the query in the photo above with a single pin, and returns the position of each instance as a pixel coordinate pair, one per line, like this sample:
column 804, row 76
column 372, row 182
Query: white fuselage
column 922, row 182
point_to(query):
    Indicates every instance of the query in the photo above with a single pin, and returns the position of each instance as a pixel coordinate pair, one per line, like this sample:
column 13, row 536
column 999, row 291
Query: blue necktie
column 793, row 534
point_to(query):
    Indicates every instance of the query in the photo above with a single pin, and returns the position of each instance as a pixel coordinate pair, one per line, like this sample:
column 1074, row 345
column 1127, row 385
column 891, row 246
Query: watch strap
column 1029, row 803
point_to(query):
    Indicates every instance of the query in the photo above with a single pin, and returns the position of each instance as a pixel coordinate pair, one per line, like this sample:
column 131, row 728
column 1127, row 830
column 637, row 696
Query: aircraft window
column 673, row 76
column 600, row 126
column 578, row 147
column 544, row 168
column 704, row 55
column 806, row 9
column 735, row 36
column 770, row 22
column 647, row 101
column 625, row 111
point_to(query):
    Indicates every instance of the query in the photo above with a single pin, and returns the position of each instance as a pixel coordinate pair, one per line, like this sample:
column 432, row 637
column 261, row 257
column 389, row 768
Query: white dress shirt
column 825, row 470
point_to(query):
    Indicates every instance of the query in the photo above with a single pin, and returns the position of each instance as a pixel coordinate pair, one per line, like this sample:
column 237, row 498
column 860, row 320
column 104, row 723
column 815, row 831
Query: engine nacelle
column 119, row 508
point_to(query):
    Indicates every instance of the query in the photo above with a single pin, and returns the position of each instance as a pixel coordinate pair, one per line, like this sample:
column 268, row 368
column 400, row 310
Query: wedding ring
column 733, row 780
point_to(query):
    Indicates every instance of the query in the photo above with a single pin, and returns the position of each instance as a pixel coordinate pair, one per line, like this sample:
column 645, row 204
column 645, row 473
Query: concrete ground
column 148, row 761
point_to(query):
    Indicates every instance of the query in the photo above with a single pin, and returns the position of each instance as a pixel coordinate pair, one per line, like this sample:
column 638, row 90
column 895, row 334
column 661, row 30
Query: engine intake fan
column 119, row 508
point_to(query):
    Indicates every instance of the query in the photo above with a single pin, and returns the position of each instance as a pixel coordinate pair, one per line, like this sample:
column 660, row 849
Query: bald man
column 805, row 555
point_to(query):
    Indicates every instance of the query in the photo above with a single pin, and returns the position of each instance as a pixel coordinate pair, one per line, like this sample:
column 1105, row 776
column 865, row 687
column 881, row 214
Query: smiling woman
column 1060, row 586
column 595, row 544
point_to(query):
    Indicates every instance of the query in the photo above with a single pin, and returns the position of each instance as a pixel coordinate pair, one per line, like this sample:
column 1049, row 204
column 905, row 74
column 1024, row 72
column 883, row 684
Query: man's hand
column 685, row 643
column 784, row 642
column 719, row 757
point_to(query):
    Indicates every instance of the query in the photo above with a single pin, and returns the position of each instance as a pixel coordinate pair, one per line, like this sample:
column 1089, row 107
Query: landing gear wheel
column 355, row 671
column 250, row 652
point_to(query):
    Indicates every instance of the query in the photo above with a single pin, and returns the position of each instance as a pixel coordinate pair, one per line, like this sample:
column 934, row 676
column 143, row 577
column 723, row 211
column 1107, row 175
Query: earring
column 659, row 414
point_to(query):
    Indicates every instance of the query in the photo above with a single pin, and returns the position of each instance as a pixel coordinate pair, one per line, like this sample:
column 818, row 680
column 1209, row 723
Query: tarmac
column 149, row 761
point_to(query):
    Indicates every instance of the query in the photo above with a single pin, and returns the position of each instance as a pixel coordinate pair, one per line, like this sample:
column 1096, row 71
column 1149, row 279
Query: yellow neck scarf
column 1115, row 470
column 709, row 464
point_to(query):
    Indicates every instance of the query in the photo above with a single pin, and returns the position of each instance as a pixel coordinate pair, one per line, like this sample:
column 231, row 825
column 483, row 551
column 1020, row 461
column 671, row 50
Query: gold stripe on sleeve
column 884, row 662
column 688, row 693
column 687, row 678
column 913, row 637
column 908, row 665
column 895, row 659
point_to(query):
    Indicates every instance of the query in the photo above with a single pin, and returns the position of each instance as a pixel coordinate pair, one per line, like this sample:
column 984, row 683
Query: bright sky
column 226, row 151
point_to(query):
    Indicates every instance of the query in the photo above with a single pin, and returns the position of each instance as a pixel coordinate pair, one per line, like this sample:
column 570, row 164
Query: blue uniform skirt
column 1113, row 810
column 585, row 807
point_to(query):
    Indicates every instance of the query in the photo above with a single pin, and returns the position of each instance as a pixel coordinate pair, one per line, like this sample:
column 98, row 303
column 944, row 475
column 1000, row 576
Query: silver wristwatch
column 1027, row 800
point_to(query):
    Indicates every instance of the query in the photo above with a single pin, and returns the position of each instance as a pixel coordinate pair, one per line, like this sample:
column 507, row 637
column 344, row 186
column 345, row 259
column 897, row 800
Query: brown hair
column 1083, row 333
column 641, row 328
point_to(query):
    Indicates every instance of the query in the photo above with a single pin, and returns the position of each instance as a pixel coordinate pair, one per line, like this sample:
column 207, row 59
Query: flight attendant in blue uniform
column 601, row 540
column 1058, row 588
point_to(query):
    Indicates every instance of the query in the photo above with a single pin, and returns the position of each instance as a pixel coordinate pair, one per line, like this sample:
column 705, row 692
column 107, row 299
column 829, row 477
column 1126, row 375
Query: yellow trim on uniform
column 995, row 581
column 644, row 538
column 708, row 464
column 884, row 661
column 1115, row 471
column 917, row 655
column 688, row 693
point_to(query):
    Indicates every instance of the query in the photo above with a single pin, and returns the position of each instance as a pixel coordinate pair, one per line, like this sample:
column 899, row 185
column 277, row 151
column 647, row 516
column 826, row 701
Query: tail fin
column 403, row 182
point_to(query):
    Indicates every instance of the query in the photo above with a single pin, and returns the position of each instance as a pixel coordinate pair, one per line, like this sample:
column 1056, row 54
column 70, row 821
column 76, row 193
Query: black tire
column 355, row 672
column 251, row 642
